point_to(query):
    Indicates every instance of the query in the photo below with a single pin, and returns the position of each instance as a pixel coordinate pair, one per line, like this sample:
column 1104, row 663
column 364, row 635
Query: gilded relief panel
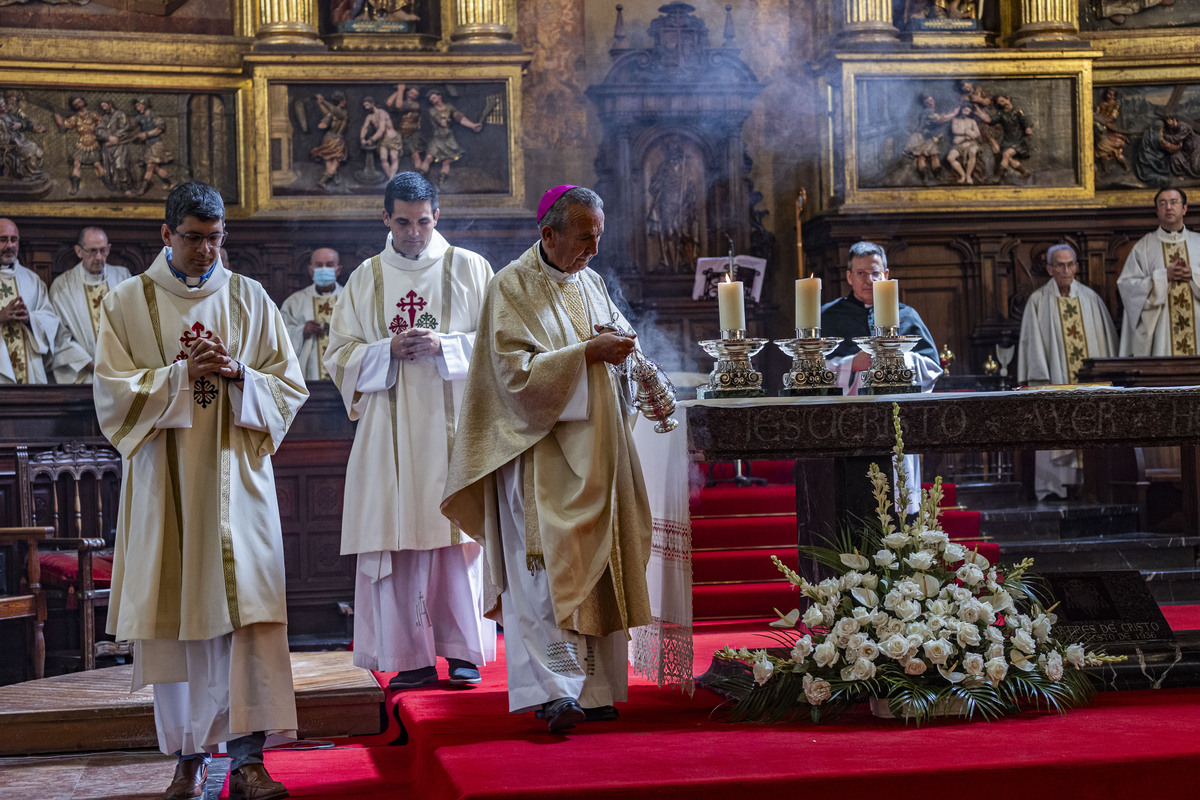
column 1147, row 136
column 350, row 138
column 209, row 17
column 93, row 145
column 966, row 132
column 1111, row 16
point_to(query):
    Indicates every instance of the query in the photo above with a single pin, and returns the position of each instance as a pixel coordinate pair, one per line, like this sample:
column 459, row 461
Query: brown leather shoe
column 253, row 782
column 189, row 779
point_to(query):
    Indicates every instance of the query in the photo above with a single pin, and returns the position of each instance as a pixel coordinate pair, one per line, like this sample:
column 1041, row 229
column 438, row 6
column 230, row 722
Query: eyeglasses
column 1064, row 265
column 194, row 240
column 97, row 251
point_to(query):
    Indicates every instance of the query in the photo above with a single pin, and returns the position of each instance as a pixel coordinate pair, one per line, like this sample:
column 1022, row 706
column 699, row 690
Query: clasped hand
column 210, row 355
column 416, row 343
column 1179, row 270
column 608, row 346
column 15, row 311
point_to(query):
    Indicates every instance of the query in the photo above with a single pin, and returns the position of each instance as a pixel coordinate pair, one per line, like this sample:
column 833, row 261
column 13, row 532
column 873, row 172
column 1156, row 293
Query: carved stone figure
column 924, row 145
column 1013, row 147
column 406, row 101
column 86, row 152
column 964, row 144
column 332, row 150
column 155, row 154
column 115, row 134
column 671, row 211
column 444, row 148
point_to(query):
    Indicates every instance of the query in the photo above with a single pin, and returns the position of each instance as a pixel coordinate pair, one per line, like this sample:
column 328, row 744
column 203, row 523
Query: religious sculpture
column 20, row 156
column 671, row 208
column 1118, row 10
column 1110, row 140
column 115, row 134
column 155, row 155
column 83, row 123
column 444, row 147
column 332, row 150
column 925, row 143
column 406, row 101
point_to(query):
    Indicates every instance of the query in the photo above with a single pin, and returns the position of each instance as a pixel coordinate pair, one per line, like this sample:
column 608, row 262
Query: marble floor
column 134, row 775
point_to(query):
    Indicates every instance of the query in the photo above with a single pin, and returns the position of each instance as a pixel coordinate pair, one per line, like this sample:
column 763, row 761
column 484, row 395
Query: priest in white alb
column 546, row 475
column 401, row 337
column 78, row 293
column 1064, row 323
column 1160, row 285
column 33, row 337
column 196, row 385
column 308, row 311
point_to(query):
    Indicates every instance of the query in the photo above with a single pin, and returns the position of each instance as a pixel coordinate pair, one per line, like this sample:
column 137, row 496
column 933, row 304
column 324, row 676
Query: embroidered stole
column 94, row 294
column 1070, row 317
column 1181, row 313
column 322, row 312
column 14, row 332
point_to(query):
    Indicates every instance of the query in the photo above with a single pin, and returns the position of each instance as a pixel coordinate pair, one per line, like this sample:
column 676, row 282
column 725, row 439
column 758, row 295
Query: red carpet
column 465, row 744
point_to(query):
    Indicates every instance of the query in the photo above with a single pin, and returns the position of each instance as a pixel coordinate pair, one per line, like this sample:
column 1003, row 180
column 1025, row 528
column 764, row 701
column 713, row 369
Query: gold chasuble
column 586, row 510
column 1075, row 346
column 197, row 488
column 14, row 332
column 322, row 312
column 1180, row 310
column 95, row 294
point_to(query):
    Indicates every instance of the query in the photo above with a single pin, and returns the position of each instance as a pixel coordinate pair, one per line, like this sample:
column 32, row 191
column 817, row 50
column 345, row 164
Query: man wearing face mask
column 402, row 334
column 308, row 311
column 77, row 295
column 546, row 475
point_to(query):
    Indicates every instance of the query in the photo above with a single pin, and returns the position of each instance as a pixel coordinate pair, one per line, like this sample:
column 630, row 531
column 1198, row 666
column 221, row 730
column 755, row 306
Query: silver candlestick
column 734, row 374
column 809, row 375
column 889, row 374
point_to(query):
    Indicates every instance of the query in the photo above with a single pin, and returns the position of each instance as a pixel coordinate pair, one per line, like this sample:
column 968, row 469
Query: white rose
column 969, row 574
column 995, row 669
column 825, row 654
column 915, row 667
column 896, row 540
column 863, row 615
column 762, row 668
column 954, row 553
column 995, row 650
column 1023, row 622
column 829, row 587
column 995, row 635
column 959, row 595
column 889, row 628
column 828, row 613
column 885, row 559
column 892, row 599
column 802, row 649
column 908, row 610
column 970, row 610
column 895, row 647
column 870, row 581
column 816, row 691
column 1024, row 642
column 968, row 636
column 812, row 616
column 1041, row 626
column 938, row 651
column 846, row 626
column 869, row 650
column 860, row 670
column 973, row 664
column 1054, row 666
column 939, row 607
column 917, row 631
column 1076, row 656
column 856, row 641
column 935, row 623
column 920, row 560
column 910, row 589
column 850, row 580
column 935, row 540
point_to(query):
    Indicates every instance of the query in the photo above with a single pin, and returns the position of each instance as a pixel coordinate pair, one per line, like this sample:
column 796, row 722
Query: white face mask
column 324, row 276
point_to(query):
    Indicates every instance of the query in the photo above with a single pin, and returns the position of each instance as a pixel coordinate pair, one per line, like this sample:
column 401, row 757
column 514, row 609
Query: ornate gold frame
column 348, row 69
column 1125, row 75
column 101, row 77
column 841, row 146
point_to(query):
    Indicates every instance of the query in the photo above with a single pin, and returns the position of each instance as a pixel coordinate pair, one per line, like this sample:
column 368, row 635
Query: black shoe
column 414, row 679
column 561, row 714
column 600, row 714
column 462, row 672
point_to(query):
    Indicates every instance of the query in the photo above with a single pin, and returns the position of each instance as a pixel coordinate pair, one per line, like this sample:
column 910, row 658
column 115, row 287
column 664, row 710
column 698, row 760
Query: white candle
column 731, row 304
column 886, row 302
column 808, row 303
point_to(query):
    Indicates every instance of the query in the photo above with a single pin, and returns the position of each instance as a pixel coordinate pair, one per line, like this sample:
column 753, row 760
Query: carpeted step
column 774, row 472
column 724, row 566
column 738, row 500
column 728, row 601
column 735, row 532
column 960, row 523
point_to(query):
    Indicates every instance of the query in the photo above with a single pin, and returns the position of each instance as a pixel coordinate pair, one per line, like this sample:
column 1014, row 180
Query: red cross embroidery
column 412, row 303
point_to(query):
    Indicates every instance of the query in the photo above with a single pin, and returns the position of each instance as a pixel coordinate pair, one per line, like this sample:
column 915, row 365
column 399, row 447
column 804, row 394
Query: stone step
column 1059, row 520
column 1141, row 551
column 989, row 494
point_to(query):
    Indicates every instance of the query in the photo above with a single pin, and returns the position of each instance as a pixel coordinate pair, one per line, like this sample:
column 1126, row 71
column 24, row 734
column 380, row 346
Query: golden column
column 1047, row 22
column 287, row 23
column 482, row 23
column 868, row 22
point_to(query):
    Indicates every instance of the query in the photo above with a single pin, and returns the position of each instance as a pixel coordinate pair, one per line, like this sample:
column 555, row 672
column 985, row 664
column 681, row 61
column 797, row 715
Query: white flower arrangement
column 921, row 622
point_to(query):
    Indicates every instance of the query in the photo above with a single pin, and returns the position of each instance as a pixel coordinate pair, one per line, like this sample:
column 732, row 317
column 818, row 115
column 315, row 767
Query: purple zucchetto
column 551, row 197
